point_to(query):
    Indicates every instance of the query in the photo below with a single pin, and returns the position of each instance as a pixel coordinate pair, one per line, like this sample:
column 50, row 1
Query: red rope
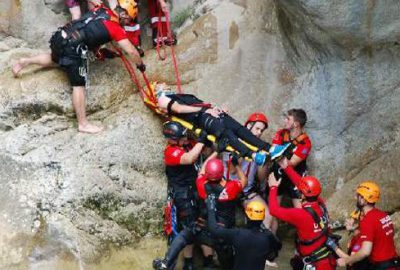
column 160, row 41
column 161, row 44
column 178, row 78
column 131, row 71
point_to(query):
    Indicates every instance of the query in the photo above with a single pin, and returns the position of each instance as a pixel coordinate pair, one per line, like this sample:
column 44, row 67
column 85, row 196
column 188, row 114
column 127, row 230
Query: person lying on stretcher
column 212, row 120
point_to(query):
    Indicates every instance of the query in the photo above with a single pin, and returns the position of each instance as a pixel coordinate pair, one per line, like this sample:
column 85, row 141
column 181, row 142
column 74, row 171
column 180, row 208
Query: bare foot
column 17, row 67
column 90, row 129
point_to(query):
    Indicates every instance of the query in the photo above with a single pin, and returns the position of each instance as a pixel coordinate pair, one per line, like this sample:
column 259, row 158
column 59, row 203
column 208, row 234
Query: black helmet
column 173, row 130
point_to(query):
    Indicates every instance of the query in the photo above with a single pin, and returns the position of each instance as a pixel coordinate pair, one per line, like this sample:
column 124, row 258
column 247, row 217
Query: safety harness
column 225, row 209
column 75, row 30
column 323, row 222
column 170, row 219
column 294, row 142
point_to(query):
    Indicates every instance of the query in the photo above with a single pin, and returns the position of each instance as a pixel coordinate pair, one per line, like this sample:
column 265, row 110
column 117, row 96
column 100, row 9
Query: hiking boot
column 159, row 264
column 277, row 151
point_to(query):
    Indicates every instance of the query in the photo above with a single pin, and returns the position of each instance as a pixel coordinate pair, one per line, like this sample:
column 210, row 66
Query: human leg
column 79, row 104
column 43, row 60
column 243, row 133
column 184, row 238
column 74, row 9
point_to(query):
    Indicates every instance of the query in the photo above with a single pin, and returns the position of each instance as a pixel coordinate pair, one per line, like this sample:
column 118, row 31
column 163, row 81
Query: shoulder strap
column 318, row 220
column 285, row 136
column 300, row 139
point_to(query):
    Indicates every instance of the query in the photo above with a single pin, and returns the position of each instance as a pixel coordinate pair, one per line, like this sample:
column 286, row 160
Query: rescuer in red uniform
column 376, row 232
column 70, row 46
column 310, row 221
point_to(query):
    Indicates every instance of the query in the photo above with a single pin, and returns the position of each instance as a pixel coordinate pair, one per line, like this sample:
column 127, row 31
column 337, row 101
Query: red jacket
column 306, row 228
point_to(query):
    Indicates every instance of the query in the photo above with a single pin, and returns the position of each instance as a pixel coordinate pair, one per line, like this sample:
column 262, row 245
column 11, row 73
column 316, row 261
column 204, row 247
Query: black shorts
column 68, row 58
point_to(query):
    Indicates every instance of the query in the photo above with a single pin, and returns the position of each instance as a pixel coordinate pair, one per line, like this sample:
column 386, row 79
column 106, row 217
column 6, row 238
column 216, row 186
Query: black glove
column 331, row 243
column 140, row 51
column 141, row 67
column 235, row 159
column 211, row 202
column 202, row 137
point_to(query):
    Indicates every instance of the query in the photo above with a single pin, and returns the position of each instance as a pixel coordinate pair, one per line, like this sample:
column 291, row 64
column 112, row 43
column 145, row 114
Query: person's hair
column 118, row 10
column 312, row 199
column 299, row 115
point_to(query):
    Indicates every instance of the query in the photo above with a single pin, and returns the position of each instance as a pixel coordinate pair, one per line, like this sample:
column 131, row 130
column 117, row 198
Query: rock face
column 336, row 59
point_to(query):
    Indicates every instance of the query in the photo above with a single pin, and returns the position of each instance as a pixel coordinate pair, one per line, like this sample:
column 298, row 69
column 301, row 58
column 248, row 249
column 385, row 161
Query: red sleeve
column 293, row 175
column 200, row 181
column 278, row 138
column 290, row 215
column 173, row 155
column 234, row 188
column 302, row 150
column 115, row 30
column 367, row 230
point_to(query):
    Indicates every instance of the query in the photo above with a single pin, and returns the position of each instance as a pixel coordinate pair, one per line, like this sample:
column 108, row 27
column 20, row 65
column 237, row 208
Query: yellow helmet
column 369, row 191
column 130, row 6
column 255, row 211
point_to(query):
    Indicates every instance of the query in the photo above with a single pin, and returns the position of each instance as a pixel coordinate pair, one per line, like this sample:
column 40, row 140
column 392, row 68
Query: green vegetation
column 180, row 18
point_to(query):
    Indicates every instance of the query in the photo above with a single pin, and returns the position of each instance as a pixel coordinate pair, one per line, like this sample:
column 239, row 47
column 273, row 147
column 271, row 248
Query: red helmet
column 257, row 117
column 214, row 169
column 309, row 186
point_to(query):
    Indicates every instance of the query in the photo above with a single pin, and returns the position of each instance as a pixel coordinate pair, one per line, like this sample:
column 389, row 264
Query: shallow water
column 135, row 257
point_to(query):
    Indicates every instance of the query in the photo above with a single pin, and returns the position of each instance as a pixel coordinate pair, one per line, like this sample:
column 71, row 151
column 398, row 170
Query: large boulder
column 336, row 59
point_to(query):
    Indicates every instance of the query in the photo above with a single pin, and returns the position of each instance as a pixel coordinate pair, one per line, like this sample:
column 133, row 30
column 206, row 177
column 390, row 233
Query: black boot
column 188, row 264
column 160, row 264
column 209, row 264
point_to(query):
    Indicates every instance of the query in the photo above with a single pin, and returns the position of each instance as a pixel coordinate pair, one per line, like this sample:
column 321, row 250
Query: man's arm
column 295, row 160
column 127, row 46
column 290, row 172
column 227, row 234
column 163, row 102
column 163, row 6
column 290, row 215
column 191, row 156
column 364, row 252
column 112, row 4
column 240, row 174
column 203, row 168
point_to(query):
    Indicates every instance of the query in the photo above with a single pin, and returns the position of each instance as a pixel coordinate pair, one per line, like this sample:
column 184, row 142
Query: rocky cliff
column 336, row 59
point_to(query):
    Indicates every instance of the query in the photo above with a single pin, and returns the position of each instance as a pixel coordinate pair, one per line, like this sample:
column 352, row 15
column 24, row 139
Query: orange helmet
column 257, row 117
column 309, row 186
column 130, row 6
column 369, row 191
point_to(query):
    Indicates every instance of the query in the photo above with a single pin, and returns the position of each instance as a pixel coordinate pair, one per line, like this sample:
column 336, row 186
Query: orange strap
column 295, row 141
